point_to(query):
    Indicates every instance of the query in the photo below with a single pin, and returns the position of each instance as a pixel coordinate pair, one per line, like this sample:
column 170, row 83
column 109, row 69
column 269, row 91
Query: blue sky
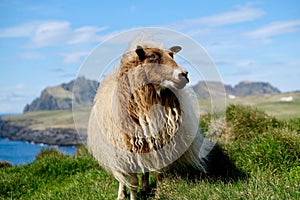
column 43, row 43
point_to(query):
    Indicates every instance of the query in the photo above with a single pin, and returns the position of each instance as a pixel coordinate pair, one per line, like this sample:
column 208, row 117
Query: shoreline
column 23, row 152
column 49, row 136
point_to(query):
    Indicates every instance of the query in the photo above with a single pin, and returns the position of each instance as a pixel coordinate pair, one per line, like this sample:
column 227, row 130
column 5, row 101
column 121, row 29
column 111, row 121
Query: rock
column 52, row 136
column 60, row 97
column 254, row 88
column 245, row 88
column 208, row 88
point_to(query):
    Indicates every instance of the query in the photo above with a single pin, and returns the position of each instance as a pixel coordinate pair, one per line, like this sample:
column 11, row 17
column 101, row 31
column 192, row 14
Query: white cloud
column 275, row 28
column 31, row 56
column 13, row 99
column 86, row 34
column 23, row 30
column 246, row 63
column 51, row 33
column 74, row 57
column 20, row 86
column 242, row 14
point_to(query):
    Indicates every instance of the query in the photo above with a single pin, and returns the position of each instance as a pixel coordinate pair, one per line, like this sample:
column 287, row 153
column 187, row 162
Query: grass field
column 273, row 104
column 263, row 151
column 40, row 120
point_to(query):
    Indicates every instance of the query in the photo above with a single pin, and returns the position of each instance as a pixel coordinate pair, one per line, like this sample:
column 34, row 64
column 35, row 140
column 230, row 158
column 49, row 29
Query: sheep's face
column 160, row 67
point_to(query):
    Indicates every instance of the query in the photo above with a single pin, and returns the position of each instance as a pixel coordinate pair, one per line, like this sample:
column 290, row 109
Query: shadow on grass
column 220, row 168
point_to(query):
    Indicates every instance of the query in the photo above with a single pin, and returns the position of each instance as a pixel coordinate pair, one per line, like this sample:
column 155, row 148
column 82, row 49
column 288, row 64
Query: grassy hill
column 40, row 120
column 264, row 149
column 273, row 104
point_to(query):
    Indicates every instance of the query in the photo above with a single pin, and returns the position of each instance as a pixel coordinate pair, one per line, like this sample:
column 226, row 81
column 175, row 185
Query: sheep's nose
column 184, row 74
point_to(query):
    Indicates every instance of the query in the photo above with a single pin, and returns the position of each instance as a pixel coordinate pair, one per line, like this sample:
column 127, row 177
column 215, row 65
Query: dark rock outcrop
column 52, row 136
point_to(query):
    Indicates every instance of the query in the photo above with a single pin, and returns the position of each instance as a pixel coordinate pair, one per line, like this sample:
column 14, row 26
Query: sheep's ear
column 140, row 52
column 175, row 49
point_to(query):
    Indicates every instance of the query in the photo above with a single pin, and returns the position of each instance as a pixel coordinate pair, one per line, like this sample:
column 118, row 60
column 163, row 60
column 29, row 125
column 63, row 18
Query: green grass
column 40, row 120
column 57, row 176
column 264, row 151
column 272, row 104
column 282, row 110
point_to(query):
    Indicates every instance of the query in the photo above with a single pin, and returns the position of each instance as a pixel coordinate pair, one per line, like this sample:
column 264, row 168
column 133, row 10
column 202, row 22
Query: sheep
column 143, row 118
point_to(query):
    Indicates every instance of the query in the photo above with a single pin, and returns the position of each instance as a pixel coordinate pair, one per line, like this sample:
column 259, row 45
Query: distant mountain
column 244, row 88
column 60, row 97
column 206, row 89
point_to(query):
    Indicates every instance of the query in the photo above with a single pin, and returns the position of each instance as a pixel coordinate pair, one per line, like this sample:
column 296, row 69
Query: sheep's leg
column 145, row 182
column 133, row 193
column 134, row 183
column 159, row 177
column 122, row 191
column 129, row 180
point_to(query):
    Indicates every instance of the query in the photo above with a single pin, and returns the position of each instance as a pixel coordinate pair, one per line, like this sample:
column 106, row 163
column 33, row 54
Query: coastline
column 50, row 136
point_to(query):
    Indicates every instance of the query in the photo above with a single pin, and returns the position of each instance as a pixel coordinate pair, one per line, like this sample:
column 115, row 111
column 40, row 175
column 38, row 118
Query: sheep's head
column 160, row 67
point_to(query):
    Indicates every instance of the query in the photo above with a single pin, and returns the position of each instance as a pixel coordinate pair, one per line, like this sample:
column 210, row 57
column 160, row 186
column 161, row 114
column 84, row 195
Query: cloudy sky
column 43, row 43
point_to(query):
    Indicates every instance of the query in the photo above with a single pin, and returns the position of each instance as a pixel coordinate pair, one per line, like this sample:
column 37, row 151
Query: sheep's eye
column 152, row 57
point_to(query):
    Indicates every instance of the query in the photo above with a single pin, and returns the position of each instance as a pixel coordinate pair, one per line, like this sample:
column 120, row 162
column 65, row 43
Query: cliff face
column 60, row 97
column 48, row 101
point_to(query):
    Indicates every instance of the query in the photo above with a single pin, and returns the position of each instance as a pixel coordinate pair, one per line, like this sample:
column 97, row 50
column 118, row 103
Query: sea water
column 20, row 152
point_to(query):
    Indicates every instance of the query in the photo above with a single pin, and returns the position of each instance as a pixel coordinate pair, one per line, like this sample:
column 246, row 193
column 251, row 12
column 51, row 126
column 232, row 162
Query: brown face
column 160, row 67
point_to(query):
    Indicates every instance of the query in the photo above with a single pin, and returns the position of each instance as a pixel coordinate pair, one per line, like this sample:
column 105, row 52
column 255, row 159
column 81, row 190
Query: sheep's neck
column 146, row 114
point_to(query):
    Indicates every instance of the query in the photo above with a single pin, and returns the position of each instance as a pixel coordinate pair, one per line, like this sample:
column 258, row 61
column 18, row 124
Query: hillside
column 283, row 105
column 52, row 120
column 60, row 97
column 244, row 88
column 263, row 151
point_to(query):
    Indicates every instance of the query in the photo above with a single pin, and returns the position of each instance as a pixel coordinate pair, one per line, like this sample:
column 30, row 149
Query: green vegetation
column 263, row 148
column 57, row 176
column 40, row 120
column 273, row 104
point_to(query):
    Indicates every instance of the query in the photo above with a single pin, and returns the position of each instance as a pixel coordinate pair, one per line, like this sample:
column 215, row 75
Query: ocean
column 20, row 152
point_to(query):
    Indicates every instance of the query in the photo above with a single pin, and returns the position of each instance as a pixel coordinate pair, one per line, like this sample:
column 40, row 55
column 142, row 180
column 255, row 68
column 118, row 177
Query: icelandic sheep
column 143, row 118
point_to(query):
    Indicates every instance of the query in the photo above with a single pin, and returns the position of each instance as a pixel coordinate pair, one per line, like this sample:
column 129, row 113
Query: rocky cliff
column 60, row 97
column 245, row 88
